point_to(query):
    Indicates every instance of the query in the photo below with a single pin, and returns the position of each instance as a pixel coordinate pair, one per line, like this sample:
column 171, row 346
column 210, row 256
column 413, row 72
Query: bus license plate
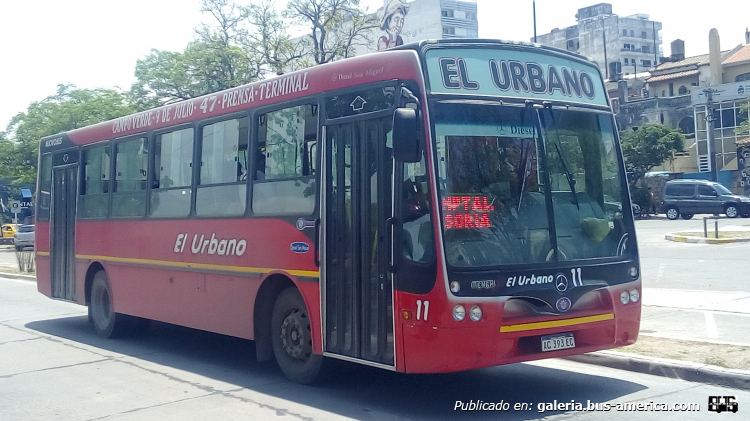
column 555, row 342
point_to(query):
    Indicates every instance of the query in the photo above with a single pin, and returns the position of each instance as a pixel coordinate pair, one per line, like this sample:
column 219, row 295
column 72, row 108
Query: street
column 694, row 291
column 53, row 365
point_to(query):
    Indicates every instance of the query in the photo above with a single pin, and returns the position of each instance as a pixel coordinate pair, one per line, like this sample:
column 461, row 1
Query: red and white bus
column 442, row 206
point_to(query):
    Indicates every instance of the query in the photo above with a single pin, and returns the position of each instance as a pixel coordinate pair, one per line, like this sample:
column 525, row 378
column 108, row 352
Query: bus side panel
column 217, row 303
column 42, row 248
column 311, row 294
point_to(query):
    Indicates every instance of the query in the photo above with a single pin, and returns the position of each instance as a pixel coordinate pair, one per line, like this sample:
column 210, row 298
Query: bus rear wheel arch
column 291, row 338
column 108, row 323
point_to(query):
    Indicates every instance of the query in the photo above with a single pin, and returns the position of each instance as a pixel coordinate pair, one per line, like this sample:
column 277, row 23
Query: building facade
column 632, row 41
column 403, row 22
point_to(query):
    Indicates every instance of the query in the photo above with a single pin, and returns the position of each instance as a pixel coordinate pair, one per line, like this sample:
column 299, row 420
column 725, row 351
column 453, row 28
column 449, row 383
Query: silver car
column 24, row 237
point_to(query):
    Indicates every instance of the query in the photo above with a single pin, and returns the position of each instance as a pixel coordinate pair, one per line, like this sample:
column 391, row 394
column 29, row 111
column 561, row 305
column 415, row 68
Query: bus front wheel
column 292, row 338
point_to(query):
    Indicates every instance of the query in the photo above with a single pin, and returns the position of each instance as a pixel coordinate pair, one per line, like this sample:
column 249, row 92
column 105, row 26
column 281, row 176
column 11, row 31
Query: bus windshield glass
column 522, row 185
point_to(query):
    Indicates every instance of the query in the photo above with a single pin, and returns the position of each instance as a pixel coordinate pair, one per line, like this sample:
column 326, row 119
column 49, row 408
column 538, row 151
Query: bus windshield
column 522, row 185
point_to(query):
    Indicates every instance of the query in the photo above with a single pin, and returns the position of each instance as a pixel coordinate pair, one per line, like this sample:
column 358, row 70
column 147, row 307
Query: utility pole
column 710, row 132
column 534, row 11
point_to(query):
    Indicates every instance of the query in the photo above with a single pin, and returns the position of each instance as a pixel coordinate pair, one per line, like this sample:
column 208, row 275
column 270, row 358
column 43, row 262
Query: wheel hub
column 293, row 335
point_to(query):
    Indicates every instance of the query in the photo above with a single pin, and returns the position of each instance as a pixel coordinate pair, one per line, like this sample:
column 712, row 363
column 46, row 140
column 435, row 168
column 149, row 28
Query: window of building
column 447, row 13
column 644, row 35
column 449, row 30
column 624, row 32
column 94, row 190
column 626, row 61
column 223, row 169
column 646, row 63
column 471, row 16
column 632, row 33
column 129, row 192
column 172, row 174
column 645, row 49
column 284, row 162
column 683, row 90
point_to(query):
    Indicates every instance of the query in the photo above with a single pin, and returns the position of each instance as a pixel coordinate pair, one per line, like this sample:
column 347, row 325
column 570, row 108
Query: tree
column 337, row 27
column 647, row 147
column 69, row 108
column 240, row 45
column 744, row 127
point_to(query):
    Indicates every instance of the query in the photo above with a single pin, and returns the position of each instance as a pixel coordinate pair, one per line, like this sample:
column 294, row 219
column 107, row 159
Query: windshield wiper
column 568, row 174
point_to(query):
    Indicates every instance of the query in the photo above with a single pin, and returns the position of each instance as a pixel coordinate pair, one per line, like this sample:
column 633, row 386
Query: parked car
column 685, row 198
column 24, row 237
column 8, row 230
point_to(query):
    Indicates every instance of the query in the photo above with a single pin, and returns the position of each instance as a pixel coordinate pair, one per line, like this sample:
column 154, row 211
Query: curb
column 684, row 370
column 702, row 240
column 31, row 278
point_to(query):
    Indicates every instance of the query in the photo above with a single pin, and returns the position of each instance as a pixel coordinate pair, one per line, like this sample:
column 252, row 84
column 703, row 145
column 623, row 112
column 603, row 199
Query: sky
column 95, row 43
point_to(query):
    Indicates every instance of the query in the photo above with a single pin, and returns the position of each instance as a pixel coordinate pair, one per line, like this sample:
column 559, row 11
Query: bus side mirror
column 406, row 135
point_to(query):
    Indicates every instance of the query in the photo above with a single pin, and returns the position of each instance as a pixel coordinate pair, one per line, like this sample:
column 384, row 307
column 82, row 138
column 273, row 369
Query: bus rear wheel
column 291, row 337
column 107, row 323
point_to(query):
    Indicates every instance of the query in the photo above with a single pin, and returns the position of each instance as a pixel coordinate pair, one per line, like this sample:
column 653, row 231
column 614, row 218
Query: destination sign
column 512, row 73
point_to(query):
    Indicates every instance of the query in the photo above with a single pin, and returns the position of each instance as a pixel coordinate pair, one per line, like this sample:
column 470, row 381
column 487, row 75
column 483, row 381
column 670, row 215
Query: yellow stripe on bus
column 556, row 323
column 241, row 269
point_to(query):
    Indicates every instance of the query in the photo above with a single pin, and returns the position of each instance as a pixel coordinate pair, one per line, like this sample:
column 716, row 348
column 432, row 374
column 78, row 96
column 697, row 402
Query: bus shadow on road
column 349, row 390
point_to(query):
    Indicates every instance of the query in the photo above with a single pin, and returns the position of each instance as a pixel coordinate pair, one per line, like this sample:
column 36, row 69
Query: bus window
column 418, row 239
column 45, row 187
column 94, row 183
column 284, row 168
column 129, row 195
column 172, row 174
column 221, row 188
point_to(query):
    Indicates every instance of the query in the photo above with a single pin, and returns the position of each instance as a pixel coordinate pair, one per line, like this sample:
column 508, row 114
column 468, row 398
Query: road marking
column 660, row 272
column 711, row 330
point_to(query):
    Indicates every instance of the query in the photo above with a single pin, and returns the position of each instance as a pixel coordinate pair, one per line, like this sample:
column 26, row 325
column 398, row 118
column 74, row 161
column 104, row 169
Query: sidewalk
column 704, row 336
column 726, row 234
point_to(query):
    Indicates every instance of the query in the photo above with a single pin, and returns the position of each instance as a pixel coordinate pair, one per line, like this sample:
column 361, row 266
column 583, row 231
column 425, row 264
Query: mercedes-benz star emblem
column 561, row 282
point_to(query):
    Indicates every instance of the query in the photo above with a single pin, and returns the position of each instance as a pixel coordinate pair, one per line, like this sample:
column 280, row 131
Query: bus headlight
column 624, row 297
column 459, row 313
column 475, row 314
column 455, row 287
column 635, row 295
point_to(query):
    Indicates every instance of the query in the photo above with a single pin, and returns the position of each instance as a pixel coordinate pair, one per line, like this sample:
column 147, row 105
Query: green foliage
column 69, row 108
column 744, row 127
column 648, row 147
column 337, row 27
column 241, row 45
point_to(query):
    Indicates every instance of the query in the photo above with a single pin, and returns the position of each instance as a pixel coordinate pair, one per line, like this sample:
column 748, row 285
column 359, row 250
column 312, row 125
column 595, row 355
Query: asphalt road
column 695, row 267
column 53, row 366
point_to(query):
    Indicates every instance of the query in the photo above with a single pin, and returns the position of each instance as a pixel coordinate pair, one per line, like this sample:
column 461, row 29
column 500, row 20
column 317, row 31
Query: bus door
column 63, row 217
column 358, row 309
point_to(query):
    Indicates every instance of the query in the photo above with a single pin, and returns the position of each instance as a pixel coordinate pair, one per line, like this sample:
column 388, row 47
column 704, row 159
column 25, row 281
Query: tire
column 19, row 248
column 107, row 323
column 731, row 211
column 291, row 337
column 672, row 213
column 687, row 216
